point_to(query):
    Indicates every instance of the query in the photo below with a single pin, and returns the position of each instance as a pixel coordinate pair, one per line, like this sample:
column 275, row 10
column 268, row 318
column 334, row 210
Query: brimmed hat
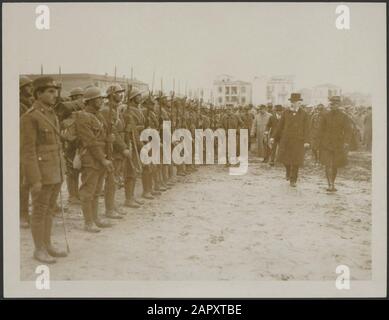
column 116, row 88
column 92, row 93
column 295, row 97
column 76, row 92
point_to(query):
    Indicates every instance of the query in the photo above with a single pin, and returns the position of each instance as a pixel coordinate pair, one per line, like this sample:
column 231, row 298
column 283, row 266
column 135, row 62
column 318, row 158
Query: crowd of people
column 91, row 140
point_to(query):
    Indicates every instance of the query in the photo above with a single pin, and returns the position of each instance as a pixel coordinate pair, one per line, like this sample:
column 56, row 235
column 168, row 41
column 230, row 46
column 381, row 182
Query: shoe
column 131, row 203
column 181, row 174
column 89, row 227
column 170, row 184
column 102, row 224
column 42, row 256
column 147, row 196
column 138, row 201
column 162, row 188
column 113, row 215
column 74, row 201
column 24, row 223
column 271, row 164
column 155, row 193
column 292, row 184
column 54, row 252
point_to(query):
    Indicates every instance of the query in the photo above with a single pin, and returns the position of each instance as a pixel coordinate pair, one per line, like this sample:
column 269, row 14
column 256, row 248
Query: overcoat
column 292, row 132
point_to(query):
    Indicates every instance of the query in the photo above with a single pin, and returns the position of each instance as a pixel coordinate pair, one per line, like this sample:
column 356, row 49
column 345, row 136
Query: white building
column 259, row 85
column 279, row 89
column 230, row 92
column 321, row 93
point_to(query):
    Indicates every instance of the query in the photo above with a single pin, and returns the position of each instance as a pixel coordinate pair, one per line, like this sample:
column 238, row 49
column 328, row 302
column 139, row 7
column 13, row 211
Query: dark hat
column 44, row 83
column 115, row 88
column 278, row 107
column 76, row 92
column 24, row 81
column 335, row 99
column 295, row 97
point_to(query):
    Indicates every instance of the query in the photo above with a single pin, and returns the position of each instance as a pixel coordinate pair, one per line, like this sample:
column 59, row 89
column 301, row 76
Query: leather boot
column 37, row 231
column 146, row 187
column 51, row 250
column 95, row 216
column 130, row 199
column 111, row 214
column 87, row 212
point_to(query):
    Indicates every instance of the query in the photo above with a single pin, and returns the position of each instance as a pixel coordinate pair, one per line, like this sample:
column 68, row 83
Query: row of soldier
column 94, row 137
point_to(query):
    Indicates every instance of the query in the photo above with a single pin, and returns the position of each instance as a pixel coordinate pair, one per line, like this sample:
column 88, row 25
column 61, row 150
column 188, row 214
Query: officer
column 118, row 151
column 26, row 100
column 42, row 165
column 91, row 129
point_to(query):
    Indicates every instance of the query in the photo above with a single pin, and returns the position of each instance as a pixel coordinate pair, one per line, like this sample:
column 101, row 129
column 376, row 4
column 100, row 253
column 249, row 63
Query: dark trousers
column 110, row 185
column 24, row 198
column 41, row 216
column 292, row 172
column 273, row 152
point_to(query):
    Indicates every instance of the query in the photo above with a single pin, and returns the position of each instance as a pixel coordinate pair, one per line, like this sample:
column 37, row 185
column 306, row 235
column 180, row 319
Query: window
column 227, row 90
column 227, row 99
column 234, row 90
column 243, row 89
column 243, row 99
column 234, row 99
column 220, row 89
column 220, row 100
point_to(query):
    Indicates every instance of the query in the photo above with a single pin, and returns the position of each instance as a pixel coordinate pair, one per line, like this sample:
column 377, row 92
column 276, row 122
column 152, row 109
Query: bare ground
column 213, row 226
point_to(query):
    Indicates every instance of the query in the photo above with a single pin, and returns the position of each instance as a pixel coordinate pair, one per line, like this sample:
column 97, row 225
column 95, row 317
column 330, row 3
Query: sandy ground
column 213, row 226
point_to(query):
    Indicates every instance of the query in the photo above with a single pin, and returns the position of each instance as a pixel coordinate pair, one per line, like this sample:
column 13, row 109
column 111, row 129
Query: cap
column 24, row 81
column 45, row 82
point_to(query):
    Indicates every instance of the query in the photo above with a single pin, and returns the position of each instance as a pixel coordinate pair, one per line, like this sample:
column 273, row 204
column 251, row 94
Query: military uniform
column 92, row 133
column 25, row 104
column 42, row 163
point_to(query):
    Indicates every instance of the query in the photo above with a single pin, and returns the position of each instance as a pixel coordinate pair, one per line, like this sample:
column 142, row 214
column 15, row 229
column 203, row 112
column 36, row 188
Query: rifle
column 109, row 125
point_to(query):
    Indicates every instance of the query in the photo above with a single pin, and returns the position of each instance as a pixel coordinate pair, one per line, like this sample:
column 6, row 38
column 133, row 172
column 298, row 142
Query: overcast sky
column 195, row 42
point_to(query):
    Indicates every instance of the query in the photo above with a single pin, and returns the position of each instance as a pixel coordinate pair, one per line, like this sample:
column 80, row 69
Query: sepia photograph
column 194, row 149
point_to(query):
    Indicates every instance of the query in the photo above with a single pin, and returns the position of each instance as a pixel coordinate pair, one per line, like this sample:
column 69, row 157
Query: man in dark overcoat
column 293, row 136
column 335, row 136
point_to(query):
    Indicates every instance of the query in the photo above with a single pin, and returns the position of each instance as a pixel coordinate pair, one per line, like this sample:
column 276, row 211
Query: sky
column 193, row 43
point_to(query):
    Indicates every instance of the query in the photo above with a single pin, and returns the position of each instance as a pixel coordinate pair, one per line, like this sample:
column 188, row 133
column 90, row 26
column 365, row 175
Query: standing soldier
column 43, row 165
column 71, row 146
column 231, row 121
column 314, row 131
column 258, row 129
column 293, row 134
column 131, row 119
column 118, row 150
column 26, row 101
column 91, row 130
column 271, row 129
column 335, row 134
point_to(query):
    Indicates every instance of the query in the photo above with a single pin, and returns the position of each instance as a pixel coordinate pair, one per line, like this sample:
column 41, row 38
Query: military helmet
column 76, row 92
column 92, row 93
column 134, row 92
column 24, row 81
column 116, row 88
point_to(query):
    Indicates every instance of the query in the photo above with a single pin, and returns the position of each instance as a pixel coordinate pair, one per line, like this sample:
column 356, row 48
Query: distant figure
column 368, row 130
column 258, row 129
column 335, row 134
column 271, row 129
column 293, row 135
column 314, row 131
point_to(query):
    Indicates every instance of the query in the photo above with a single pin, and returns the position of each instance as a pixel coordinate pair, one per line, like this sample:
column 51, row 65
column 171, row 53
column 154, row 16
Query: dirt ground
column 213, row 226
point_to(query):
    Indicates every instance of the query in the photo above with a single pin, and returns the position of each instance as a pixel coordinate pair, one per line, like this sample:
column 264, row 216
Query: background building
column 230, row 92
column 83, row 80
column 279, row 89
column 259, row 95
column 321, row 93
